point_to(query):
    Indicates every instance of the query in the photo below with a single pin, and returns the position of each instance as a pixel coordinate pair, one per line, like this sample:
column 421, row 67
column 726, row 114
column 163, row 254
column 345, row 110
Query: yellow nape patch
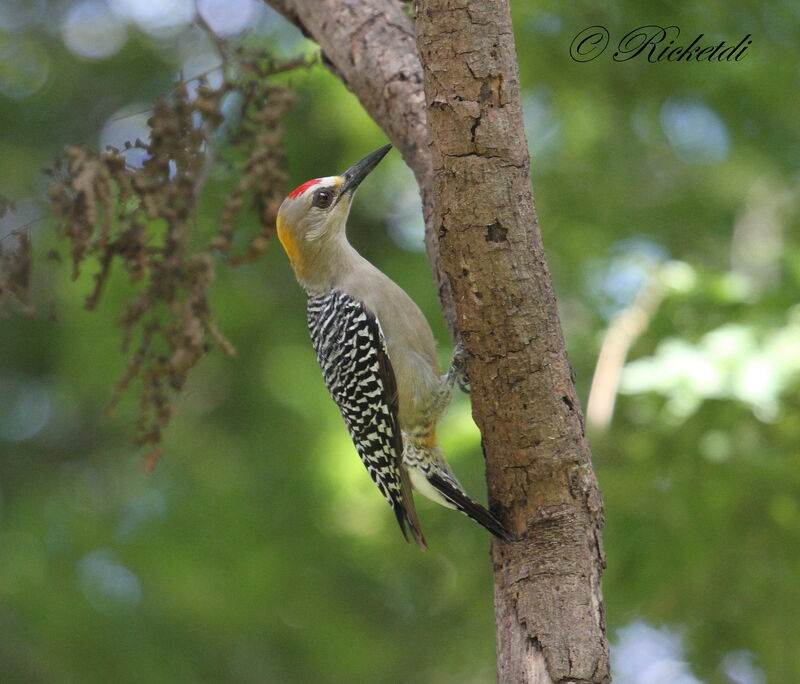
column 288, row 242
column 430, row 440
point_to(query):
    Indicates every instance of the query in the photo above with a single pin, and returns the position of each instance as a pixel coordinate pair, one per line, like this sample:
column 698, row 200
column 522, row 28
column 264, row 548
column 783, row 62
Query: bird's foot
column 458, row 368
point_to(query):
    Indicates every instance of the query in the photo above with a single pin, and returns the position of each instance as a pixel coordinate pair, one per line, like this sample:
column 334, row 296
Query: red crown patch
column 300, row 189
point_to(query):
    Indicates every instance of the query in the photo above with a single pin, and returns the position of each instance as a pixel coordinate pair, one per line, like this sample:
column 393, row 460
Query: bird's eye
column 322, row 199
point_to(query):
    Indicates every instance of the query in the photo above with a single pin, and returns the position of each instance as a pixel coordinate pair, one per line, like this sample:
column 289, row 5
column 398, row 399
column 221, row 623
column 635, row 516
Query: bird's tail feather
column 407, row 523
column 468, row 506
column 406, row 512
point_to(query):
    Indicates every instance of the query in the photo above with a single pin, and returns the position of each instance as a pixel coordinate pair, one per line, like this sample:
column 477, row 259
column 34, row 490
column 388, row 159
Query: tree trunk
column 550, row 625
column 484, row 244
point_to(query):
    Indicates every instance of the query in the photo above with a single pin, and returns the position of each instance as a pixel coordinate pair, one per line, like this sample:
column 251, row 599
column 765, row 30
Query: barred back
column 351, row 351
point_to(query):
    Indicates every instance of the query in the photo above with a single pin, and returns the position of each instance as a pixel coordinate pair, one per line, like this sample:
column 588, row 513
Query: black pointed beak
column 360, row 170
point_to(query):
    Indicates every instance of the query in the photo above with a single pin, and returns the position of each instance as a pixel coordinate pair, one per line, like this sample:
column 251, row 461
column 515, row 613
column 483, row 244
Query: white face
column 310, row 214
column 311, row 221
column 310, row 211
column 317, row 210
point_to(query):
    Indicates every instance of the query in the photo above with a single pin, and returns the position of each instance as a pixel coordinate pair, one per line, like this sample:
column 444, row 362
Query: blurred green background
column 259, row 550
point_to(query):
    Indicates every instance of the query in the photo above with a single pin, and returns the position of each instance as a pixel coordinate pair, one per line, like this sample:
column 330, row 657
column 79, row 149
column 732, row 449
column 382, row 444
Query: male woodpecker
column 376, row 352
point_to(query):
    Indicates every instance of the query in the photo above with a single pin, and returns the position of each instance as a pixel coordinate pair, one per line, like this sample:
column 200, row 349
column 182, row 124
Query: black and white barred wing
column 351, row 351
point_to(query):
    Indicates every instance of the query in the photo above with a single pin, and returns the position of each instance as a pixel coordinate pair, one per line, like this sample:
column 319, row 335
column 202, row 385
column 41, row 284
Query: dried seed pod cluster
column 144, row 220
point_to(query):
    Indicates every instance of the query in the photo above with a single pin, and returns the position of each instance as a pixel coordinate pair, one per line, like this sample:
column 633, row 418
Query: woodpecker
column 376, row 351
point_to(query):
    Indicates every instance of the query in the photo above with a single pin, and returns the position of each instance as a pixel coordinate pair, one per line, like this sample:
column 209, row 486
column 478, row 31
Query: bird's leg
column 456, row 374
column 458, row 369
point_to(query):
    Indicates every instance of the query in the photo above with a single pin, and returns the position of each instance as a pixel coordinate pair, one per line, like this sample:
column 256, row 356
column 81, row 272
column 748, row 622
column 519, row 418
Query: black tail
column 410, row 522
column 406, row 511
column 469, row 507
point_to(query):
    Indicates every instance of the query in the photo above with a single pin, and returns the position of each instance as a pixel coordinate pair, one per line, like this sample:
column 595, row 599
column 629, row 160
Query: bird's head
column 311, row 220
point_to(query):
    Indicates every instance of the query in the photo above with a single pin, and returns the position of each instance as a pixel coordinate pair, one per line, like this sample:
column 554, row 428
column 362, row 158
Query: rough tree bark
column 548, row 606
column 483, row 240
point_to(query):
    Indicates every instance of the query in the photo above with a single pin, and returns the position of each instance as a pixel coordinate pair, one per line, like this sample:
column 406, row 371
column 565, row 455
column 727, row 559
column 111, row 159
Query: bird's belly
column 421, row 484
column 416, row 383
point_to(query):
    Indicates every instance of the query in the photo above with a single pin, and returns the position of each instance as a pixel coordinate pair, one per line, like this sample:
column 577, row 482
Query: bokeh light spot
column 24, row 407
column 156, row 17
column 697, row 134
column 91, row 30
column 126, row 125
column 107, row 584
column 24, row 66
column 19, row 14
column 227, row 17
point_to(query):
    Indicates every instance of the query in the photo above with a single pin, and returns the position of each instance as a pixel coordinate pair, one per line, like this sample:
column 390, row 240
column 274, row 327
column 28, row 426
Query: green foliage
column 259, row 551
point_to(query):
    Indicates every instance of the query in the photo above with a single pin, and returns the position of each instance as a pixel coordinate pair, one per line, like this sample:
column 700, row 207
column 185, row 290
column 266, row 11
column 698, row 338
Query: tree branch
column 369, row 45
